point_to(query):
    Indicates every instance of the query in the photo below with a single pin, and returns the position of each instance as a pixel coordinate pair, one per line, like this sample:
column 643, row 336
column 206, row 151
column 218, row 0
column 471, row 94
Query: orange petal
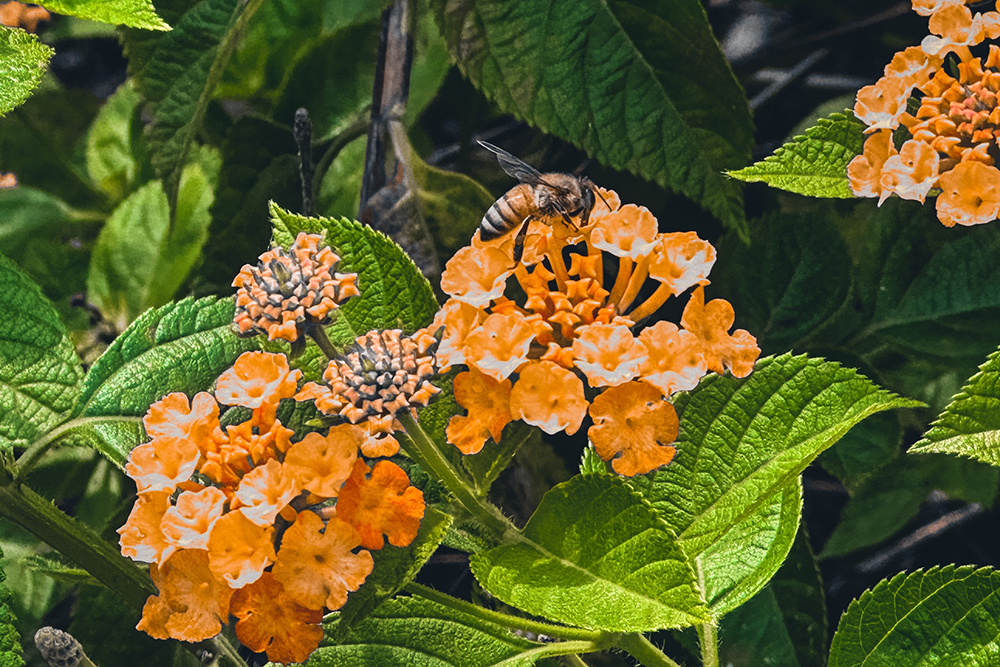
column 239, row 549
column 323, row 464
column 192, row 604
column 681, row 260
column 635, row 424
column 162, row 463
column 865, row 171
column 549, row 397
column 970, row 194
column 476, row 275
column 488, row 403
column 628, row 232
column 383, row 504
column 269, row 620
column 188, row 523
column 711, row 323
column 265, row 490
column 500, row 344
column 173, row 416
column 607, row 354
column 257, row 380
column 141, row 538
column 675, row 361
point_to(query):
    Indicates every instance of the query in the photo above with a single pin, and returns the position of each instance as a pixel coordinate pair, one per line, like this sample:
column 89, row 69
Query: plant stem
column 709, row 645
column 35, row 450
column 643, row 650
column 422, row 449
column 318, row 334
column 575, row 660
column 556, row 648
column 74, row 540
column 508, row 621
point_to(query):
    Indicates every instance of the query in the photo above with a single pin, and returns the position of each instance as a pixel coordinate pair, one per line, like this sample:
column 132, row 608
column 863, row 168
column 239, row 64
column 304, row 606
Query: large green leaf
column 394, row 568
column 111, row 159
column 943, row 616
column 970, row 425
column 814, row 164
column 132, row 13
column 865, row 449
column 891, row 497
column 605, row 76
column 762, row 540
column 183, row 346
column 412, row 632
column 177, row 71
column 594, row 554
column 24, row 59
column 141, row 257
column 394, row 294
column 39, row 371
column 10, row 638
column 741, row 440
column 785, row 624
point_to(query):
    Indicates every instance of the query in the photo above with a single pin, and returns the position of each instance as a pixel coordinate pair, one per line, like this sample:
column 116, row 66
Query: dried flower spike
column 288, row 292
column 383, row 373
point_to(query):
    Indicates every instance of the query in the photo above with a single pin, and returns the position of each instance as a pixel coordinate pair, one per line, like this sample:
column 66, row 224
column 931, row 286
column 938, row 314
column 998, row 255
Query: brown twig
column 934, row 528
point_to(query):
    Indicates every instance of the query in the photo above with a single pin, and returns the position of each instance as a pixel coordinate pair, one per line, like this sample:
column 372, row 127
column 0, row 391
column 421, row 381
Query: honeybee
column 536, row 196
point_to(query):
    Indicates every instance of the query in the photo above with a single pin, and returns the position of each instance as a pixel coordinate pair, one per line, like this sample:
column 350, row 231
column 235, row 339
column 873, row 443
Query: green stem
column 557, row 648
column 643, row 650
column 318, row 334
column 35, row 450
column 709, row 645
column 74, row 540
column 508, row 621
column 422, row 449
column 576, row 661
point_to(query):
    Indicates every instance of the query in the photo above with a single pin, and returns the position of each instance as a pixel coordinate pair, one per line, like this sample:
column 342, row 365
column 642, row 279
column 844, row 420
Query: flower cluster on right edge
column 558, row 342
column 952, row 124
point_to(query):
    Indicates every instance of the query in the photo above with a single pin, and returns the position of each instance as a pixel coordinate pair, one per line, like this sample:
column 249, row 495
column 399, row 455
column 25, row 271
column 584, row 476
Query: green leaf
column 25, row 60
column 411, row 632
column 594, row 554
column 813, row 164
column 790, row 282
column 394, row 568
column 141, row 259
column 890, row 498
column 176, row 72
column 741, row 440
column 942, row 616
column 39, row 371
column 394, row 294
column 340, row 188
column 605, row 77
column 111, row 162
column 762, row 541
column 131, row 13
column 865, row 449
column 785, row 624
column 970, row 425
column 10, row 638
column 183, row 346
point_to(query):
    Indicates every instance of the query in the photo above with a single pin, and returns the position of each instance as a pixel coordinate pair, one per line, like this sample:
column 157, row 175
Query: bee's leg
column 568, row 220
column 519, row 241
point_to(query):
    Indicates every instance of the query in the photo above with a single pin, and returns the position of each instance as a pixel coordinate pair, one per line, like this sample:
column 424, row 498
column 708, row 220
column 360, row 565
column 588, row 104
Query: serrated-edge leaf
column 596, row 555
column 24, row 61
column 941, row 616
column 394, row 294
column 813, row 164
column 40, row 374
column 131, row 13
column 764, row 429
column 182, row 346
column 970, row 425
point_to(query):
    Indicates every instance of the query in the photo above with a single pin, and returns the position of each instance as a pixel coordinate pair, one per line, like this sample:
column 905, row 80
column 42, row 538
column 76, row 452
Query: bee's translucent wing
column 515, row 166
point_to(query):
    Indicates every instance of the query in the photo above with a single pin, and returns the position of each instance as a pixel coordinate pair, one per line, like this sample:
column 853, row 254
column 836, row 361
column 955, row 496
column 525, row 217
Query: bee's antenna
column 583, row 165
column 598, row 191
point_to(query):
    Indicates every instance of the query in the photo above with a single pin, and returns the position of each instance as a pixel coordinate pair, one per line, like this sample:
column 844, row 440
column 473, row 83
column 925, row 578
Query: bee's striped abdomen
column 507, row 213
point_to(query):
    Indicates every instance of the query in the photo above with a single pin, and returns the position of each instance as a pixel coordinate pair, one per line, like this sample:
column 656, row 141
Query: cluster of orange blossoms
column 240, row 520
column 953, row 136
column 21, row 15
column 563, row 334
column 287, row 292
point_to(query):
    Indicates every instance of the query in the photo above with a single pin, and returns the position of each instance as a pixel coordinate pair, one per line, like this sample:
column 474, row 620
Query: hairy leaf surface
column 131, row 13
column 942, row 616
column 595, row 554
column 24, row 59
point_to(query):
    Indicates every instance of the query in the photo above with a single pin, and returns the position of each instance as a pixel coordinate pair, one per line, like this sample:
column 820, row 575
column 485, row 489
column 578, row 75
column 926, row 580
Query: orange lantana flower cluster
column 953, row 136
column 240, row 520
column 567, row 343
column 288, row 292
column 21, row 15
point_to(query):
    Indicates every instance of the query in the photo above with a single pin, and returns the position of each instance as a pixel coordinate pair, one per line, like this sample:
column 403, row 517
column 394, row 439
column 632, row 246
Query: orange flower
column 476, row 275
column 141, row 538
column 682, row 260
column 162, row 463
column 458, row 319
column 488, row 403
column 269, row 620
column 287, row 293
column 865, row 171
column 536, row 400
column 500, row 345
column 265, row 491
column 258, row 380
column 385, row 504
column 633, row 428
column 879, row 106
column 173, row 416
column 239, row 549
column 957, row 28
column 607, row 354
column 928, row 7
column 188, row 523
column 628, row 232
column 675, row 362
column 970, row 195
column 711, row 323
column 913, row 66
column 911, row 173
column 317, row 566
column 8, row 180
column 258, row 442
column 20, row 15
column 192, row 604
column 322, row 465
